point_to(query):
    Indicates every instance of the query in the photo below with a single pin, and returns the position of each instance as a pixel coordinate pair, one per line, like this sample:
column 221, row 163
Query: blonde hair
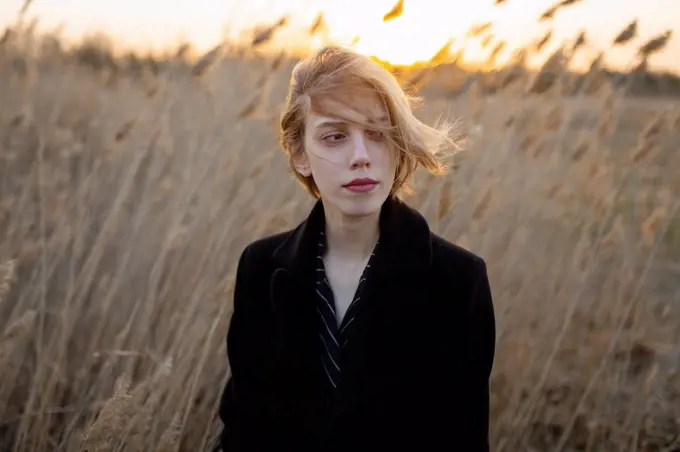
column 334, row 70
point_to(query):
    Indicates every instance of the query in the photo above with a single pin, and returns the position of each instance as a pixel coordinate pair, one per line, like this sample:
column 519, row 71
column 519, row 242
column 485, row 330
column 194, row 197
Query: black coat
column 415, row 373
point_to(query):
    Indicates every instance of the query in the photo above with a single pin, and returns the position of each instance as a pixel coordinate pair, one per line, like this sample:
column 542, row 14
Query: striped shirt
column 332, row 336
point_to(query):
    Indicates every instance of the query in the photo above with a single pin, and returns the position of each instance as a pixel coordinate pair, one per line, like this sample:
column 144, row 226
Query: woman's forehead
column 367, row 106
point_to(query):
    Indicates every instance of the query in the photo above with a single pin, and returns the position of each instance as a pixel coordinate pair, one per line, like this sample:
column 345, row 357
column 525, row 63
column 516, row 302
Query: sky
column 416, row 35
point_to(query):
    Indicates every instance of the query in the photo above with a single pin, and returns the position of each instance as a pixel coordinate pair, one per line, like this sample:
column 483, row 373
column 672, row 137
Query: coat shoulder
column 256, row 265
column 263, row 248
column 459, row 277
column 448, row 256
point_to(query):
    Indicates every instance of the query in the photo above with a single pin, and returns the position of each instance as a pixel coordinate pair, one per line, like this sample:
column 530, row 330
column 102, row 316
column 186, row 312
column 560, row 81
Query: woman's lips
column 361, row 185
column 361, row 188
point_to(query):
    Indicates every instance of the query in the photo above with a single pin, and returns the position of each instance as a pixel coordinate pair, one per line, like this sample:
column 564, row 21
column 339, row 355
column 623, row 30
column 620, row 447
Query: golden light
column 413, row 32
column 414, row 36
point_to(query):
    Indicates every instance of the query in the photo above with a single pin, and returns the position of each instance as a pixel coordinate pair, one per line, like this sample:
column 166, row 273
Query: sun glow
column 417, row 34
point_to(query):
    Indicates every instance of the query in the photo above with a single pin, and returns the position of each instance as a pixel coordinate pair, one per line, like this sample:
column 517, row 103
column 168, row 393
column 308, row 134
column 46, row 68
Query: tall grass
column 126, row 200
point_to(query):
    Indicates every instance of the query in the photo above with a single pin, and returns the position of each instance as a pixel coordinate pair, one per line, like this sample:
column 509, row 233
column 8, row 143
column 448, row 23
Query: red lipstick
column 361, row 185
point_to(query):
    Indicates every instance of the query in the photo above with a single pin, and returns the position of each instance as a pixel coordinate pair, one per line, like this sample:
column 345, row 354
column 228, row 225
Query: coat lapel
column 405, row 241
column 295, row 344
column 404, row 256
column 402, row 261
column 391, row 294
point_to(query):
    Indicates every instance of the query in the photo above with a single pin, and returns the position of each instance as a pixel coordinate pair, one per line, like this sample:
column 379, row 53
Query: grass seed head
column 7, row 276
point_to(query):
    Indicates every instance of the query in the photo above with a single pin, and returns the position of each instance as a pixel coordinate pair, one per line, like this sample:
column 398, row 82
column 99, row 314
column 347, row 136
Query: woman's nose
column 360, row 155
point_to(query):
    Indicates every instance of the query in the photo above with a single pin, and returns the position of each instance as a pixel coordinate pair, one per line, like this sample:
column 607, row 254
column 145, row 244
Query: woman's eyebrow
column 330, row 122
column 384, row 118
column 335, row 122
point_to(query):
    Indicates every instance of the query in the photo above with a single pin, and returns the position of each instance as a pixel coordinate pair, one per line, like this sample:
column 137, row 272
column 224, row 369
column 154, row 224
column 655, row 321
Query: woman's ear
column 301, row 163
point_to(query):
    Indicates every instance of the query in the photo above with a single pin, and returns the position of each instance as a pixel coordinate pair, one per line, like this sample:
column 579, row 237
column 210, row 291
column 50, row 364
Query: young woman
column 359, row 330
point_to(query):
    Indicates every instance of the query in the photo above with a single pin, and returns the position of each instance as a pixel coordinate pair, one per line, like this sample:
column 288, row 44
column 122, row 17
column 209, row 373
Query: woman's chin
column 367, row 204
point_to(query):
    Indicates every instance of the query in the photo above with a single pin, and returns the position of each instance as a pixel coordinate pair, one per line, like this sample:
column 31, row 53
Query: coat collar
column 405, row 241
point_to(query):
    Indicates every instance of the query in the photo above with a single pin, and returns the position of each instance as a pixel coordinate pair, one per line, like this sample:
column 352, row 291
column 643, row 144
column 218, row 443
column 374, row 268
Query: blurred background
column 415, row 33
column 139, row 156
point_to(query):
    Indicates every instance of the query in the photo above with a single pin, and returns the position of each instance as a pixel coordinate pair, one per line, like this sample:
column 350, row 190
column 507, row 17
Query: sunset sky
column 423, row 28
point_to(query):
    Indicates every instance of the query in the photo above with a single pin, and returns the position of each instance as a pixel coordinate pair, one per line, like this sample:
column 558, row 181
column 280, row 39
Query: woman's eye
column 375, row 135
column 333, row 137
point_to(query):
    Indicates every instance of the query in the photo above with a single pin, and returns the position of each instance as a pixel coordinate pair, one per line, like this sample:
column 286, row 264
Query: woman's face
column 353, row 166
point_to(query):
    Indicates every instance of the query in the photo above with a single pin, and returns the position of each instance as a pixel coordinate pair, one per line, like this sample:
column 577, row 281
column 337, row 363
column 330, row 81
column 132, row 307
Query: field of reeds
column 129, row 187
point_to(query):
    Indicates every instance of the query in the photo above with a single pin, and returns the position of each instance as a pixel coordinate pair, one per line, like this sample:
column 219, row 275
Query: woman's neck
column 351, row 237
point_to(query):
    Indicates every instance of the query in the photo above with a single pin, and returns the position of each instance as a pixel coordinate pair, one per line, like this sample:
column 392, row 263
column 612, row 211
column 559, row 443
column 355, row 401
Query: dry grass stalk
column 278, row 61
column 266, row 34
column 7, row 275
column 446, row 201
column 396, row 11
column 529, row 141
column 486, row 41
column 644, row 149
column 675, row 122
column 147, row 396
column 641, row 68
column 112, row 422
column 554, row 118
column 655, row 44
column 541, row 83
column 605, row 126
column 317, row 25
column 654, row 127
column 264, row 78
column 651, row 225
column 479, row 29
column 538, row 46
column 6, row 36
column 596, row 64
column 207, row 61
column 442, row 53
column 493, row 55
column 583, row 145
column 24, row 8
column 615, row 234
column 16, row 335
column 255, row 105
column 548, row 14
column 125, row 130
column 579, row 42
column 612, row 102
column 627, row 34
column 417, row 80
column 170, row 440
column 648, row 140
column 482, row 205
column 509, row 78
